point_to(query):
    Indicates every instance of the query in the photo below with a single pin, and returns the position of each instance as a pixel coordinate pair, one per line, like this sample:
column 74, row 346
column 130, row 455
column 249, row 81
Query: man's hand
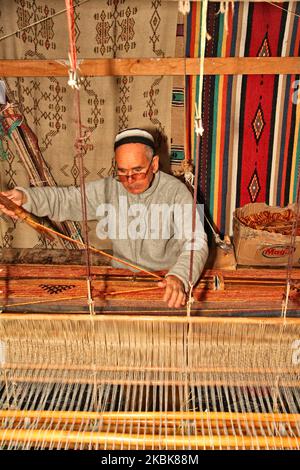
column 15, row 195
column 174, row 291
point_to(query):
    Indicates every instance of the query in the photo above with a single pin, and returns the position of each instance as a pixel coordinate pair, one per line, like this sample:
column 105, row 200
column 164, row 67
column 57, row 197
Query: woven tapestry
column 177, row 141
column 251, row 143
column 104, row 28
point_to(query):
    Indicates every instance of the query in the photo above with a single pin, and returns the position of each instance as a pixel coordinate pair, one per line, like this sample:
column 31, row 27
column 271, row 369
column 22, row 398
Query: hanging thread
column 224, row 9
column 199, row 132
column 74, row 82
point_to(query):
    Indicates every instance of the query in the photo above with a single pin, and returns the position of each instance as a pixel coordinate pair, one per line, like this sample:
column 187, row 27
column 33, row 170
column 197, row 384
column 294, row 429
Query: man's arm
column 177, row 278
column 182, row 267
column 58, row 203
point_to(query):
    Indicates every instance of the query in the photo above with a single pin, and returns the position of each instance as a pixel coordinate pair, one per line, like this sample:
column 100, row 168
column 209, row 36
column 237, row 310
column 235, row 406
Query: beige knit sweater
column 151, row 229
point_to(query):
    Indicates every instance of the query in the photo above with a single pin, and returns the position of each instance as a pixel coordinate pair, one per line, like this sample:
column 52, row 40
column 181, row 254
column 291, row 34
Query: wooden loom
column 136, row 375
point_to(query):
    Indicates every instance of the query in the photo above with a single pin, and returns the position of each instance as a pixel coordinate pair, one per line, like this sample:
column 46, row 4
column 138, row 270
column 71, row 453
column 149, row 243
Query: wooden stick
column 152, row 66
column 152, row 416
column 146, row 441
column 239, row 381
column 150, row 426
column 63, row 271
column 11, row 366
column 174, row 318
column 95, row 296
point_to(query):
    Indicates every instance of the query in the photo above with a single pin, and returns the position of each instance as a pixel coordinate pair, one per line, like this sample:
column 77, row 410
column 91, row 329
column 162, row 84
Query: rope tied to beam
column 224, row 9
column 184, row 6
column 74, row 83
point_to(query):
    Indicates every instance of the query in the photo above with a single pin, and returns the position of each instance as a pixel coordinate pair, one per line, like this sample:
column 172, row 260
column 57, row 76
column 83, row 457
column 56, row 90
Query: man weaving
column 144, row 211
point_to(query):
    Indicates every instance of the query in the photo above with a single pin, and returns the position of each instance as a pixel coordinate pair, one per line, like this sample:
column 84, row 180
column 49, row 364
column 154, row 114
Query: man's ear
column 155, row 163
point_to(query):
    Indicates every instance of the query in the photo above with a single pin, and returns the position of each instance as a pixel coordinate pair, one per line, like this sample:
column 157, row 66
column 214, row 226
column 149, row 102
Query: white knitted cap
column 134, row 136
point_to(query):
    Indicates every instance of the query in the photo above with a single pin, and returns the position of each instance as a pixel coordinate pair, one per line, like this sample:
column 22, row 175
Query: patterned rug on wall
column 104, row 28
column 250, row 148
column 251, row 145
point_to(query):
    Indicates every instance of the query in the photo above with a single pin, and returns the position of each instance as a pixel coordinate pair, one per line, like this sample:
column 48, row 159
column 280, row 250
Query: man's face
column 131, row 158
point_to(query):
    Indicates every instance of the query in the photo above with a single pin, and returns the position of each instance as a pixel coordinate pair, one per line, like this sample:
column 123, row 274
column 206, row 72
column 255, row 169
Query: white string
column 189, row 178
column 199, row 129
column 190, row 301
column 74, row 78
column 224, row 9
column 286, row 300
column 198, row 108
column 198, row 126
column 281, row 8
column 90, row 301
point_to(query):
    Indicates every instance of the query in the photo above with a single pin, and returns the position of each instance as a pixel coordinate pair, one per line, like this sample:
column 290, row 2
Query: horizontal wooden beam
column 243, row 1
column 153, row 66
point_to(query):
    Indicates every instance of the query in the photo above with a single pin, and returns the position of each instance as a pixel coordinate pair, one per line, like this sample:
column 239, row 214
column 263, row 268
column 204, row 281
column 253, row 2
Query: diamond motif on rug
column 258, row 123
column 254, row 186
column 264, row 50
column 56, row 288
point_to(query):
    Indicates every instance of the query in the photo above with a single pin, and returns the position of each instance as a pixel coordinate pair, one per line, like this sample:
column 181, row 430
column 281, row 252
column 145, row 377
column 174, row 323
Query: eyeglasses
column 134, row 176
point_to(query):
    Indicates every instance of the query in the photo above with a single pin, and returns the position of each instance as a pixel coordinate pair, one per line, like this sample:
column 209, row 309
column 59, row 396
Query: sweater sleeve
column 64, row 203
column 198, row 244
